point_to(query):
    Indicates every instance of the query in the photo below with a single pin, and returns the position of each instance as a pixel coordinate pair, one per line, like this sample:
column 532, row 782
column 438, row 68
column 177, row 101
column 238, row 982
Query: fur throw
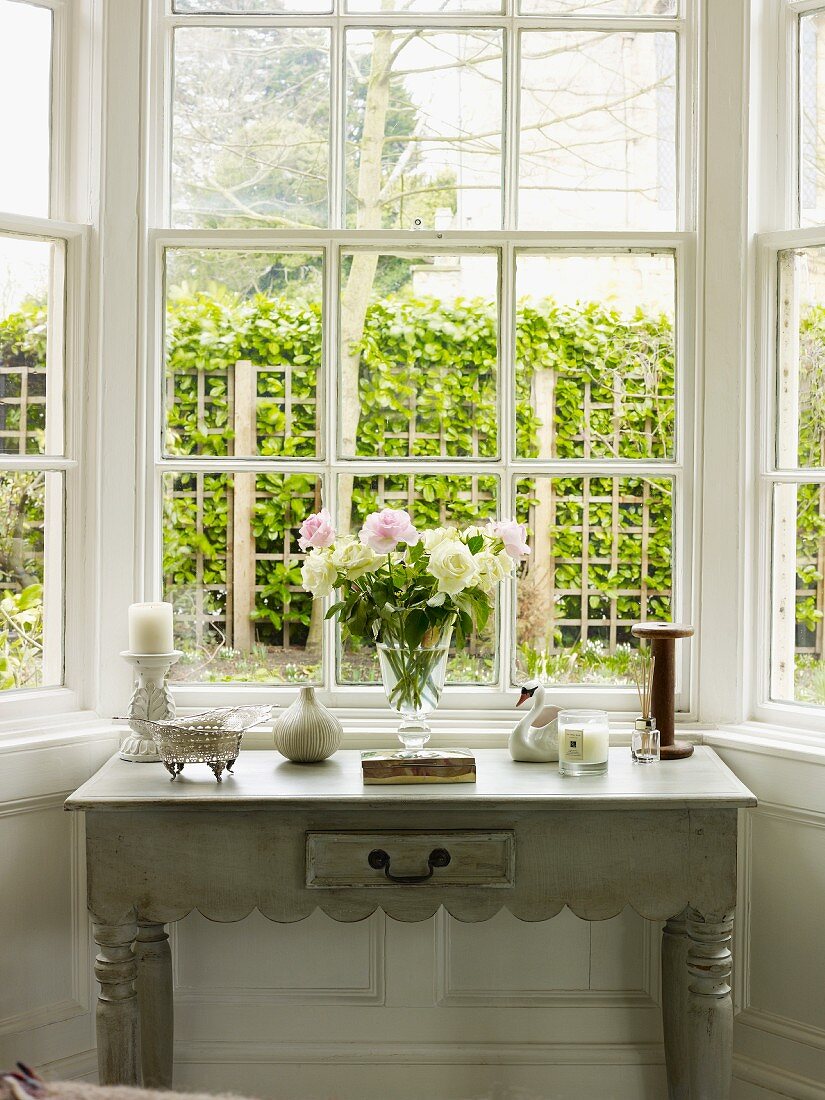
column 24, row 1084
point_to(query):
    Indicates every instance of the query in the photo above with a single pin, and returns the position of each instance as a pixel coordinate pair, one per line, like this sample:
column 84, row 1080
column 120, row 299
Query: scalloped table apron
column 287, row 839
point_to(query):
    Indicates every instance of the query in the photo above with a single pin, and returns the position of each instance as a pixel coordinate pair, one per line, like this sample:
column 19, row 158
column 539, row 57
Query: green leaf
column 416, row 627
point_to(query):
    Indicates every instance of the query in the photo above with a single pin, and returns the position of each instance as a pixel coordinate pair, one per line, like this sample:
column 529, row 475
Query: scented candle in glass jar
column 584, row 739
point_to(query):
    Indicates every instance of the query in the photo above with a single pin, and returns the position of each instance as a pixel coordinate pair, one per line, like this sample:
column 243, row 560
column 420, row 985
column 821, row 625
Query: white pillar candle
column 150, row 628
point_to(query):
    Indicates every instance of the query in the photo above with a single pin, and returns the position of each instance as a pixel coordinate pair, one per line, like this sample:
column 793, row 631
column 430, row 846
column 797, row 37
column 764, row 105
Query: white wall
column 447, row 1009
column 780, row 1032
column 508, row 1011
column 46, row 983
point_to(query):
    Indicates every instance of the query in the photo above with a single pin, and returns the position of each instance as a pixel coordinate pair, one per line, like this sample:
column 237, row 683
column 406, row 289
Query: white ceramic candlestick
column 151, row 699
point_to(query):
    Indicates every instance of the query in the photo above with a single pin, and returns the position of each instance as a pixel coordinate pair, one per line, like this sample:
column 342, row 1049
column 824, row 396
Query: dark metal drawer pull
column 379, row 859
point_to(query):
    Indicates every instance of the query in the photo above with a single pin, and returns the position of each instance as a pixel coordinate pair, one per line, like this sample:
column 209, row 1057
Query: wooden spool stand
column 662, row 638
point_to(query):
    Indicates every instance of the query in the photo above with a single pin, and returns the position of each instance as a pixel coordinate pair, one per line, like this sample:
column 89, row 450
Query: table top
column 263, row 779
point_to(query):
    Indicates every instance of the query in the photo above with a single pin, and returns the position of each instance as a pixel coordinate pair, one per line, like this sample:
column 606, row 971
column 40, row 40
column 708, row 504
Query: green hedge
column 443, row 355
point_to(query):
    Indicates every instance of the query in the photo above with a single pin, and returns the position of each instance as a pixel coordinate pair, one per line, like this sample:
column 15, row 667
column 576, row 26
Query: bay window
column 40, row 298
column 433, row 257
column 793, row 459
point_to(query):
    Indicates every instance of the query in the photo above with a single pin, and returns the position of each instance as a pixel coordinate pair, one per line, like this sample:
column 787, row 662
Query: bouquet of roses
column 408, row 589
column 400, row 585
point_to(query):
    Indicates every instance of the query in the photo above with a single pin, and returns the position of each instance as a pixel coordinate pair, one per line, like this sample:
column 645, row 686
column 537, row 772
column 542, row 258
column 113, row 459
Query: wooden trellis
column 812, row 641
column 22, row 406
column 581, row 611
column 599, row 617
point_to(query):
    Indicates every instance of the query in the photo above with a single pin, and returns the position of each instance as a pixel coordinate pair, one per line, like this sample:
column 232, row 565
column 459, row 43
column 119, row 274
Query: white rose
column 436, row 536
column 493, row 568
column 318, row 573
column 453, row 566
column 354, row 559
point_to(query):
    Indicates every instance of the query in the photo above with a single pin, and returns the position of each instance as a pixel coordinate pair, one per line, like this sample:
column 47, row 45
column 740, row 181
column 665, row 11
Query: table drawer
column 467, row 858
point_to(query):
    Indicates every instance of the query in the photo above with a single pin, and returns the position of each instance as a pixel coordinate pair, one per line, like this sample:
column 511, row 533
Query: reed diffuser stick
column 643, row 674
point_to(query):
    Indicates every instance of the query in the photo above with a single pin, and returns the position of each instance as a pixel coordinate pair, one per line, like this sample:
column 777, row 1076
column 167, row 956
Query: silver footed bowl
column 211, row 737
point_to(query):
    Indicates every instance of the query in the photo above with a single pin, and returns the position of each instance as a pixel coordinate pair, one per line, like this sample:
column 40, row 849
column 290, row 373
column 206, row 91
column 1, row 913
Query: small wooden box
column 427, row 766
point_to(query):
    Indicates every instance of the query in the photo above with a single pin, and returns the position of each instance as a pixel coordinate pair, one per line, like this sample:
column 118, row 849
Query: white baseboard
column 781, row 1082
column 394, row 1053
column 76, row 1066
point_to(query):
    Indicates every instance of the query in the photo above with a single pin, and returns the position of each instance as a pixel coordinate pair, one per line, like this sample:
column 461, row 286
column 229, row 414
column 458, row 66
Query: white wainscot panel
column 317, row 961
column 787, row 877
column 45, row 964
column 561, row 961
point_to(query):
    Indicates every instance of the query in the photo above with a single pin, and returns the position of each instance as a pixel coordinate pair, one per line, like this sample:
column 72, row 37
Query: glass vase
column 413, row 679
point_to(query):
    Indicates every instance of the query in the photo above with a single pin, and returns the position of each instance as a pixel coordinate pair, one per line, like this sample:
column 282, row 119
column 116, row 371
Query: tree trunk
column 356, row 295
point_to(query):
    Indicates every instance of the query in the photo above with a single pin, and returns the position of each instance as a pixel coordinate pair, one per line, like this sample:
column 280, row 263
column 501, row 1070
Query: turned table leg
column 710, row 1006
column 117, row 1007
column 674, row 1005
column 154, row 991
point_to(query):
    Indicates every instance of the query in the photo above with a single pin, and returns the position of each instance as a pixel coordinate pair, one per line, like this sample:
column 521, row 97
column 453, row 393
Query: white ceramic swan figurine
column 535, row 739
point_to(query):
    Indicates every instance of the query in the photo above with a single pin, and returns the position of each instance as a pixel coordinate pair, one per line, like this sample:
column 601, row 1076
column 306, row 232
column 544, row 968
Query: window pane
column 433, row 500
column 232, row 569
column 439, row 7
column 812, row 119
column 419, row 349
column 423, row 129
column 798, row 649
column 250, row 127
column 595, row 360
column 25, row 120
column 601, row 561
column 600, row 7
column 800, row 436
column 31, row 589
column 30, row 348
column 598, row 131
column 253, row 7
column 243, row 352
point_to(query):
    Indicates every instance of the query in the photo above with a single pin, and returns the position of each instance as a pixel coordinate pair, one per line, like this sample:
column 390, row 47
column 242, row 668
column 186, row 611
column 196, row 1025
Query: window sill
column 769, row 739
column 54, row 730
column 365, row 729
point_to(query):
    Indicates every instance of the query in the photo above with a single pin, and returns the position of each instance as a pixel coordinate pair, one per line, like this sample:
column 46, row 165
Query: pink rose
column 317, row 531
column 513, row 535
column 382, row 531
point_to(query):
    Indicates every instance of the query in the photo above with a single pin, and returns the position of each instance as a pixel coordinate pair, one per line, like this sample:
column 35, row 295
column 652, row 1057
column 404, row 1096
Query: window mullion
column 434, row 20
column 506, row 405
column 329, row 406
column 802, row 7
column 510, row 130
column 338, row 107
column 687, row 90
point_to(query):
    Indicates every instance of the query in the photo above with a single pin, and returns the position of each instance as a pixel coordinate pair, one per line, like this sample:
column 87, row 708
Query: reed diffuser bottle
column 644, row 744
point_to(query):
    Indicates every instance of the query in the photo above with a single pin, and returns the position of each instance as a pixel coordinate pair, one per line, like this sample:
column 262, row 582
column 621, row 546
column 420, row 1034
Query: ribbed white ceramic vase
column 307, row 732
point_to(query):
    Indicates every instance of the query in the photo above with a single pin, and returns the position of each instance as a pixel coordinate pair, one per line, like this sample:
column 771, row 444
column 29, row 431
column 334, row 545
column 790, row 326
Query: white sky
column 25, row 93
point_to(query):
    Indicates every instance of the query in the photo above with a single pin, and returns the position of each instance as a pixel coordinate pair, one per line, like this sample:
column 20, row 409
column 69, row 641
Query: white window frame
column 781, row 210
column 683, row 243
column 66, row 572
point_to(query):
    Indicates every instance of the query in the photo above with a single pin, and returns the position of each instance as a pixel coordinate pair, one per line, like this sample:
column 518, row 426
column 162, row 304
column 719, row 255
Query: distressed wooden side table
column 287, row 839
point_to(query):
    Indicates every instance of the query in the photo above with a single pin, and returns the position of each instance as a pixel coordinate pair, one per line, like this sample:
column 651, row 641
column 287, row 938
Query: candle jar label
column 572, row 746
